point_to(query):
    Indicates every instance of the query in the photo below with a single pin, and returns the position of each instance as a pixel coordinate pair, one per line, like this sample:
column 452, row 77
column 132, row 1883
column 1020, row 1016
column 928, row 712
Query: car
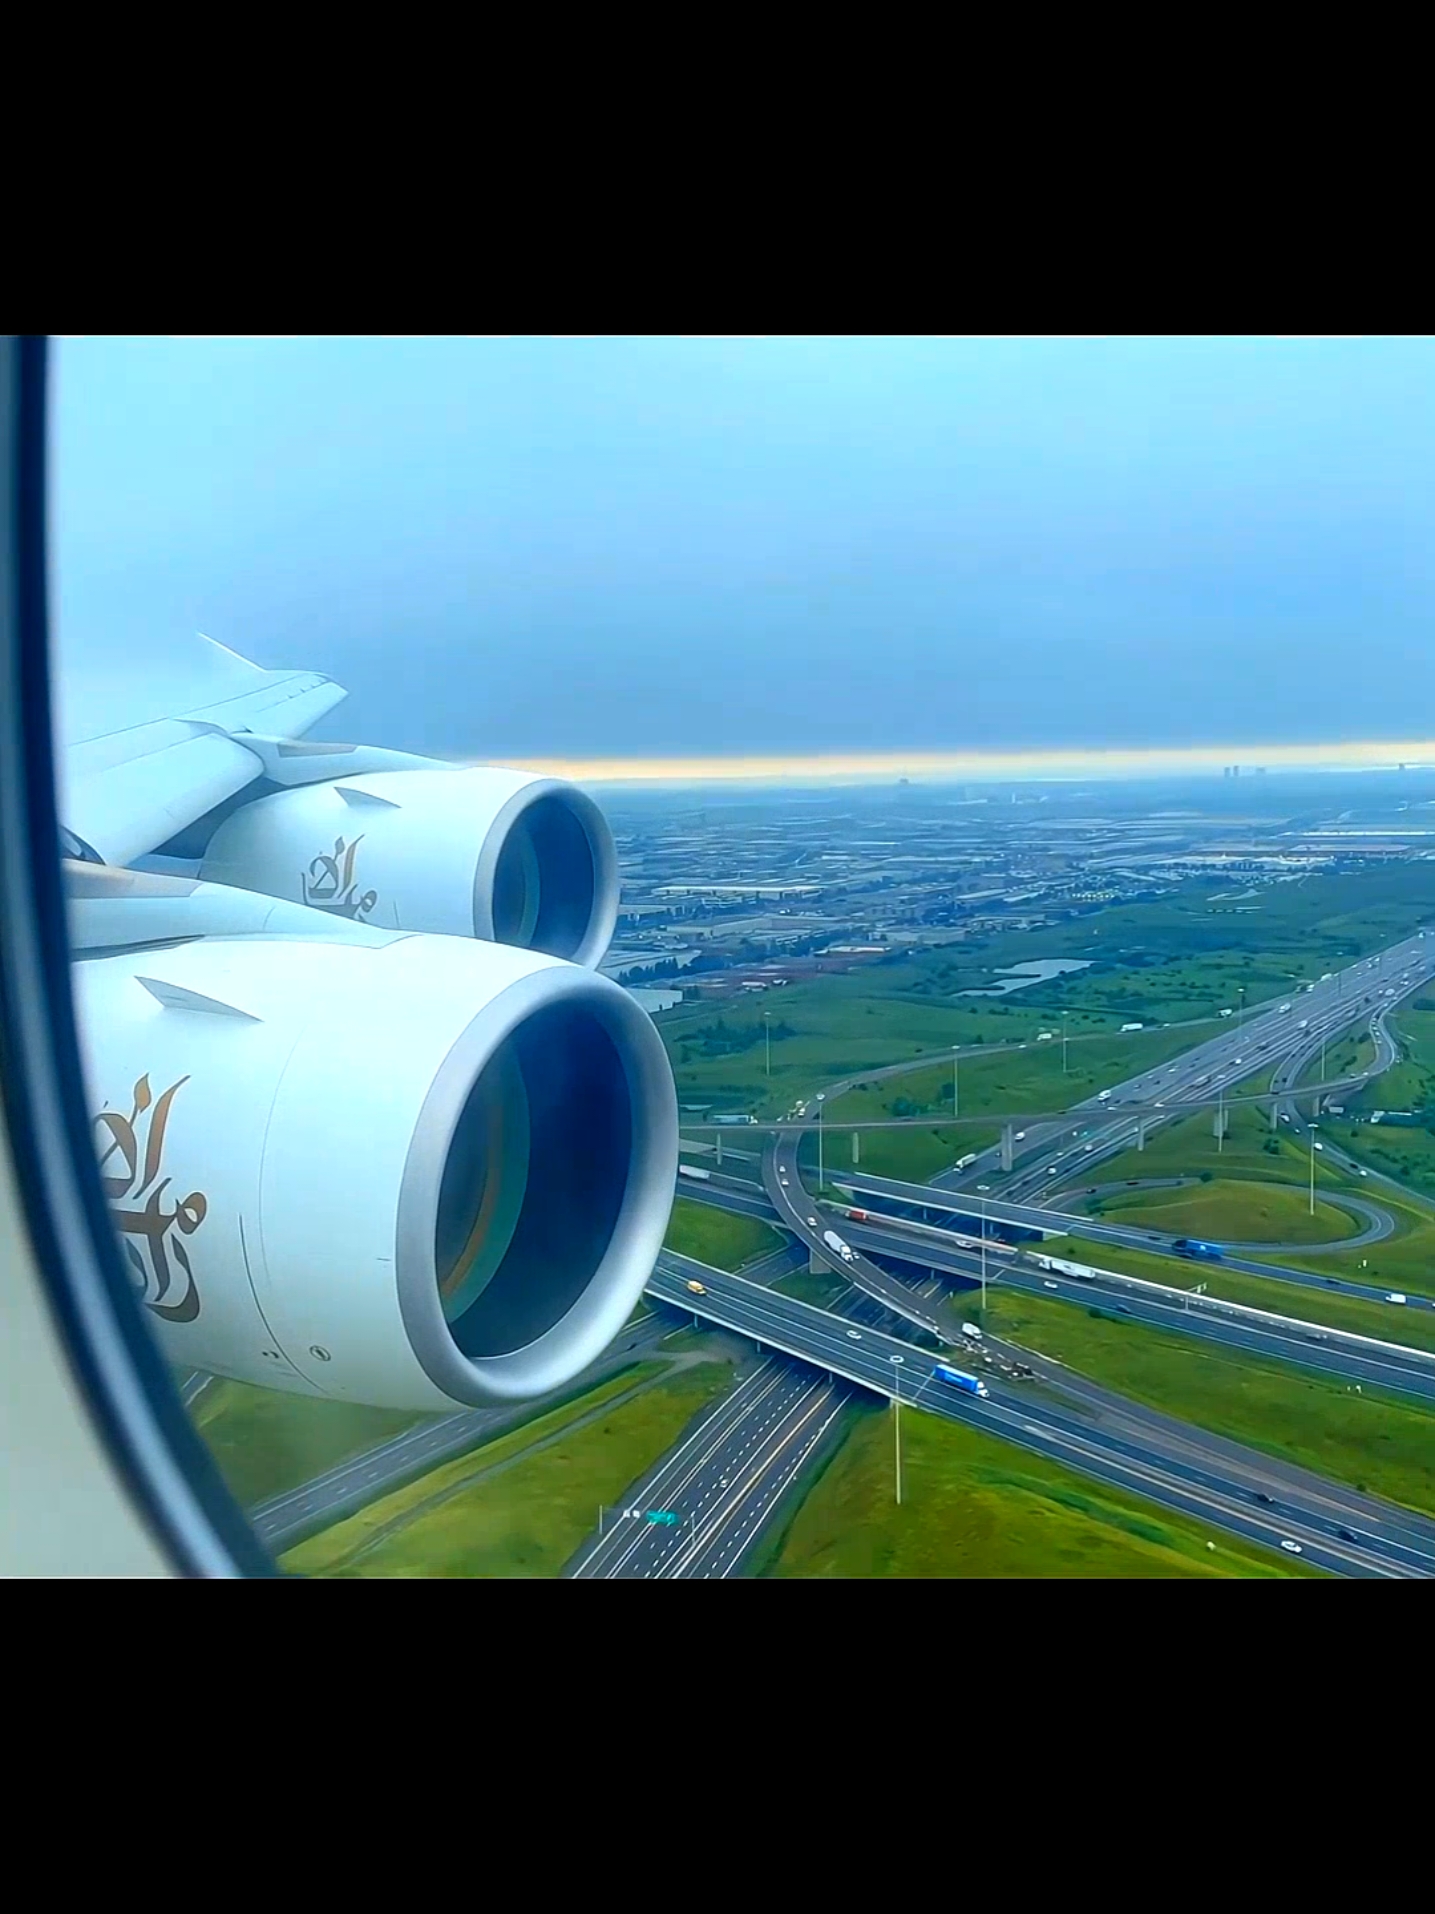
column 1290, row 1547
column 853, row 1335
column 1086, row 1149
column 812, row 1222
column 1395, row 1296
column 1123, row 1309
column 1268, row 1500
column 1347, row 1535
column 1360, row 1172
column 987, row 1186
column 1020, row 1137
column 698, row 1289
column 1048, row 1284
column 1052, row 1170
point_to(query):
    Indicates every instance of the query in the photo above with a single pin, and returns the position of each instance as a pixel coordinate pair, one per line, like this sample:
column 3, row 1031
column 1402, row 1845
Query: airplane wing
column 131, row 778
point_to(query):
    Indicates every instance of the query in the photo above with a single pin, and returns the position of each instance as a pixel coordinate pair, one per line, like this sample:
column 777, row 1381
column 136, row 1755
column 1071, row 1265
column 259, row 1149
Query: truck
column 1131, row 1026
column 971, row 1332
column 959, row 1379
column 1201, row 1252
column 700, row 1176
column 965, row 1162
column 734, row 1119
column 835, row 1242
column 1058, row 1265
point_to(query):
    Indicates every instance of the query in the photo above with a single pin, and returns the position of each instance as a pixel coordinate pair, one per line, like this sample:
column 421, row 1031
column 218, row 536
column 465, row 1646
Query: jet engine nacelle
column 409, row 1171
column 501, row 855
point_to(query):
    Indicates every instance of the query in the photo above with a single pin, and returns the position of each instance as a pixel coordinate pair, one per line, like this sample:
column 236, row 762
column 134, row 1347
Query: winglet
column 176, row 997
column 248, row 663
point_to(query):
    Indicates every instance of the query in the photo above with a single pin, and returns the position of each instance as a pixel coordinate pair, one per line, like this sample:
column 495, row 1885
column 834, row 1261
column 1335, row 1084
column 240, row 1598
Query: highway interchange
column 747, row 1456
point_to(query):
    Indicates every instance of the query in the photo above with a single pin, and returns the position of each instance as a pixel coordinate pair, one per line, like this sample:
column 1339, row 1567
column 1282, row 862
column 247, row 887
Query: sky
column 577, row 550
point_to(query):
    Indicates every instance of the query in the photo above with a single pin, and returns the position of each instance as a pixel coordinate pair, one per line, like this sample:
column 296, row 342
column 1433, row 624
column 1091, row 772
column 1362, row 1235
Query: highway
column 722, row 1482
column 1096, row 1229
column 1348, row 1357
column 1177, row 1466
column 1220, row 1063
column 1366, row 989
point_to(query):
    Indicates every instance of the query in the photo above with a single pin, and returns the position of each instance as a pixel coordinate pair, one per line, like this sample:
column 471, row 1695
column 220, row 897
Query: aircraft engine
column 405, row 1170
column 501, row 855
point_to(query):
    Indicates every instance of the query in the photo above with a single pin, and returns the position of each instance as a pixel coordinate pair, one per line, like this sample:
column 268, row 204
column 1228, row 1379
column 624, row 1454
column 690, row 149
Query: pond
column 1023, row 976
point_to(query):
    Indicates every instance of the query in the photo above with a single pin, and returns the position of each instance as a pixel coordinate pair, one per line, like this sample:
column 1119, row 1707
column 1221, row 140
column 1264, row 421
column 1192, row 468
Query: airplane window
column 649, row 957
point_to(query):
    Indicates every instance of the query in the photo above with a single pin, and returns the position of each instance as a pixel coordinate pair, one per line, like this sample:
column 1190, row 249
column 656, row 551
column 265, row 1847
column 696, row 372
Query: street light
column 956, row 1110
column 1312, row 1168
column 820, row 1179
column 767, row 1033
column 1063, row 1046
column 897, row 1418
column 1241, row 1011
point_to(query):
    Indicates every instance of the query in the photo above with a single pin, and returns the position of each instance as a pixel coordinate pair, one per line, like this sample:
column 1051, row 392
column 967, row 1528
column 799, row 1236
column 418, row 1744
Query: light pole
column 956, row 1107
column 1063, row 1046
column 1220, row 1120
column 819, row 1143
column 1241, row 1011
column 984, row 1262
column 1312, row 1169
column 897, row 1419
column 767, row 1035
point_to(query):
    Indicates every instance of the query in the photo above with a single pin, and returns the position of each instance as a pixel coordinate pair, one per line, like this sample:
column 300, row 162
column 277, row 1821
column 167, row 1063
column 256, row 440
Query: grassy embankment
column 521, row 1505
column 1375, row 1441
column 975, row 1506
column 718, row 1237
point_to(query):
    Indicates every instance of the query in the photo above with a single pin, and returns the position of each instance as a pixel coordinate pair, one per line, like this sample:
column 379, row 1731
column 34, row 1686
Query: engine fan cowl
column 500, row 855
column 409, row 1171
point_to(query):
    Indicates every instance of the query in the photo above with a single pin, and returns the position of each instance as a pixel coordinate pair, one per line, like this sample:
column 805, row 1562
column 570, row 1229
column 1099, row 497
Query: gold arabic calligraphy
column 329, row 884
column 169, row 1294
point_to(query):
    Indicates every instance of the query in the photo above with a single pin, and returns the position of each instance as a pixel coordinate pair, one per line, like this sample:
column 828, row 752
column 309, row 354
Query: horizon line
column 986, row 766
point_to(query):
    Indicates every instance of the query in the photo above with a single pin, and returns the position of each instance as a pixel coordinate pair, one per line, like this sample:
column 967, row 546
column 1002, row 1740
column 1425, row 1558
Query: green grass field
column 974, row 1506
column 265, row 1442
column 718, row 1237
column 1385, row 1321
column 819, row 1287
column 520, row 1506
column 1249, row 1152
column 1376, row 1442
column 1232, row 1211
column 1352, row 1052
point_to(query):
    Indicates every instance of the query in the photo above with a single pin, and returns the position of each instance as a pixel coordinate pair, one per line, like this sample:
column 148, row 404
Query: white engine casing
column 317, row 1119
column 500, row 855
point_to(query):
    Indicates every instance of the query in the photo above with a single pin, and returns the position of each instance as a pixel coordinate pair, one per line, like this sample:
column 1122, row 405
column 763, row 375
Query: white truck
column 1131, row 1026
column 834, row 1242
column 971, row 1332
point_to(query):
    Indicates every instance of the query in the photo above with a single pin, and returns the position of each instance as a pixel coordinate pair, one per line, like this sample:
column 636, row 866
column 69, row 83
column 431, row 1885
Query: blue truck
column 959, row 1379
column 1202, row 1252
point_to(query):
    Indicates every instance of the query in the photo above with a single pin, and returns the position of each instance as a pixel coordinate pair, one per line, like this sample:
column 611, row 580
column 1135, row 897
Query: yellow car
column 697, row 1289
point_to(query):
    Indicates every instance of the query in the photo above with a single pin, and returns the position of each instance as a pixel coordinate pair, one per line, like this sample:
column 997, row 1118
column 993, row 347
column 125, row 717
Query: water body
column 1023, row 976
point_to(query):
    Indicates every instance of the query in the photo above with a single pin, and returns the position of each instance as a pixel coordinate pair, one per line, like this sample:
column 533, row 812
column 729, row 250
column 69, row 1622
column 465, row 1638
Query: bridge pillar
column 856, row 1146
column 1006, row 1145
column 815, row 1264
column 1220, row 1123
column 719, row 1146
column 1275, row 1115
column 1140, row 1134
